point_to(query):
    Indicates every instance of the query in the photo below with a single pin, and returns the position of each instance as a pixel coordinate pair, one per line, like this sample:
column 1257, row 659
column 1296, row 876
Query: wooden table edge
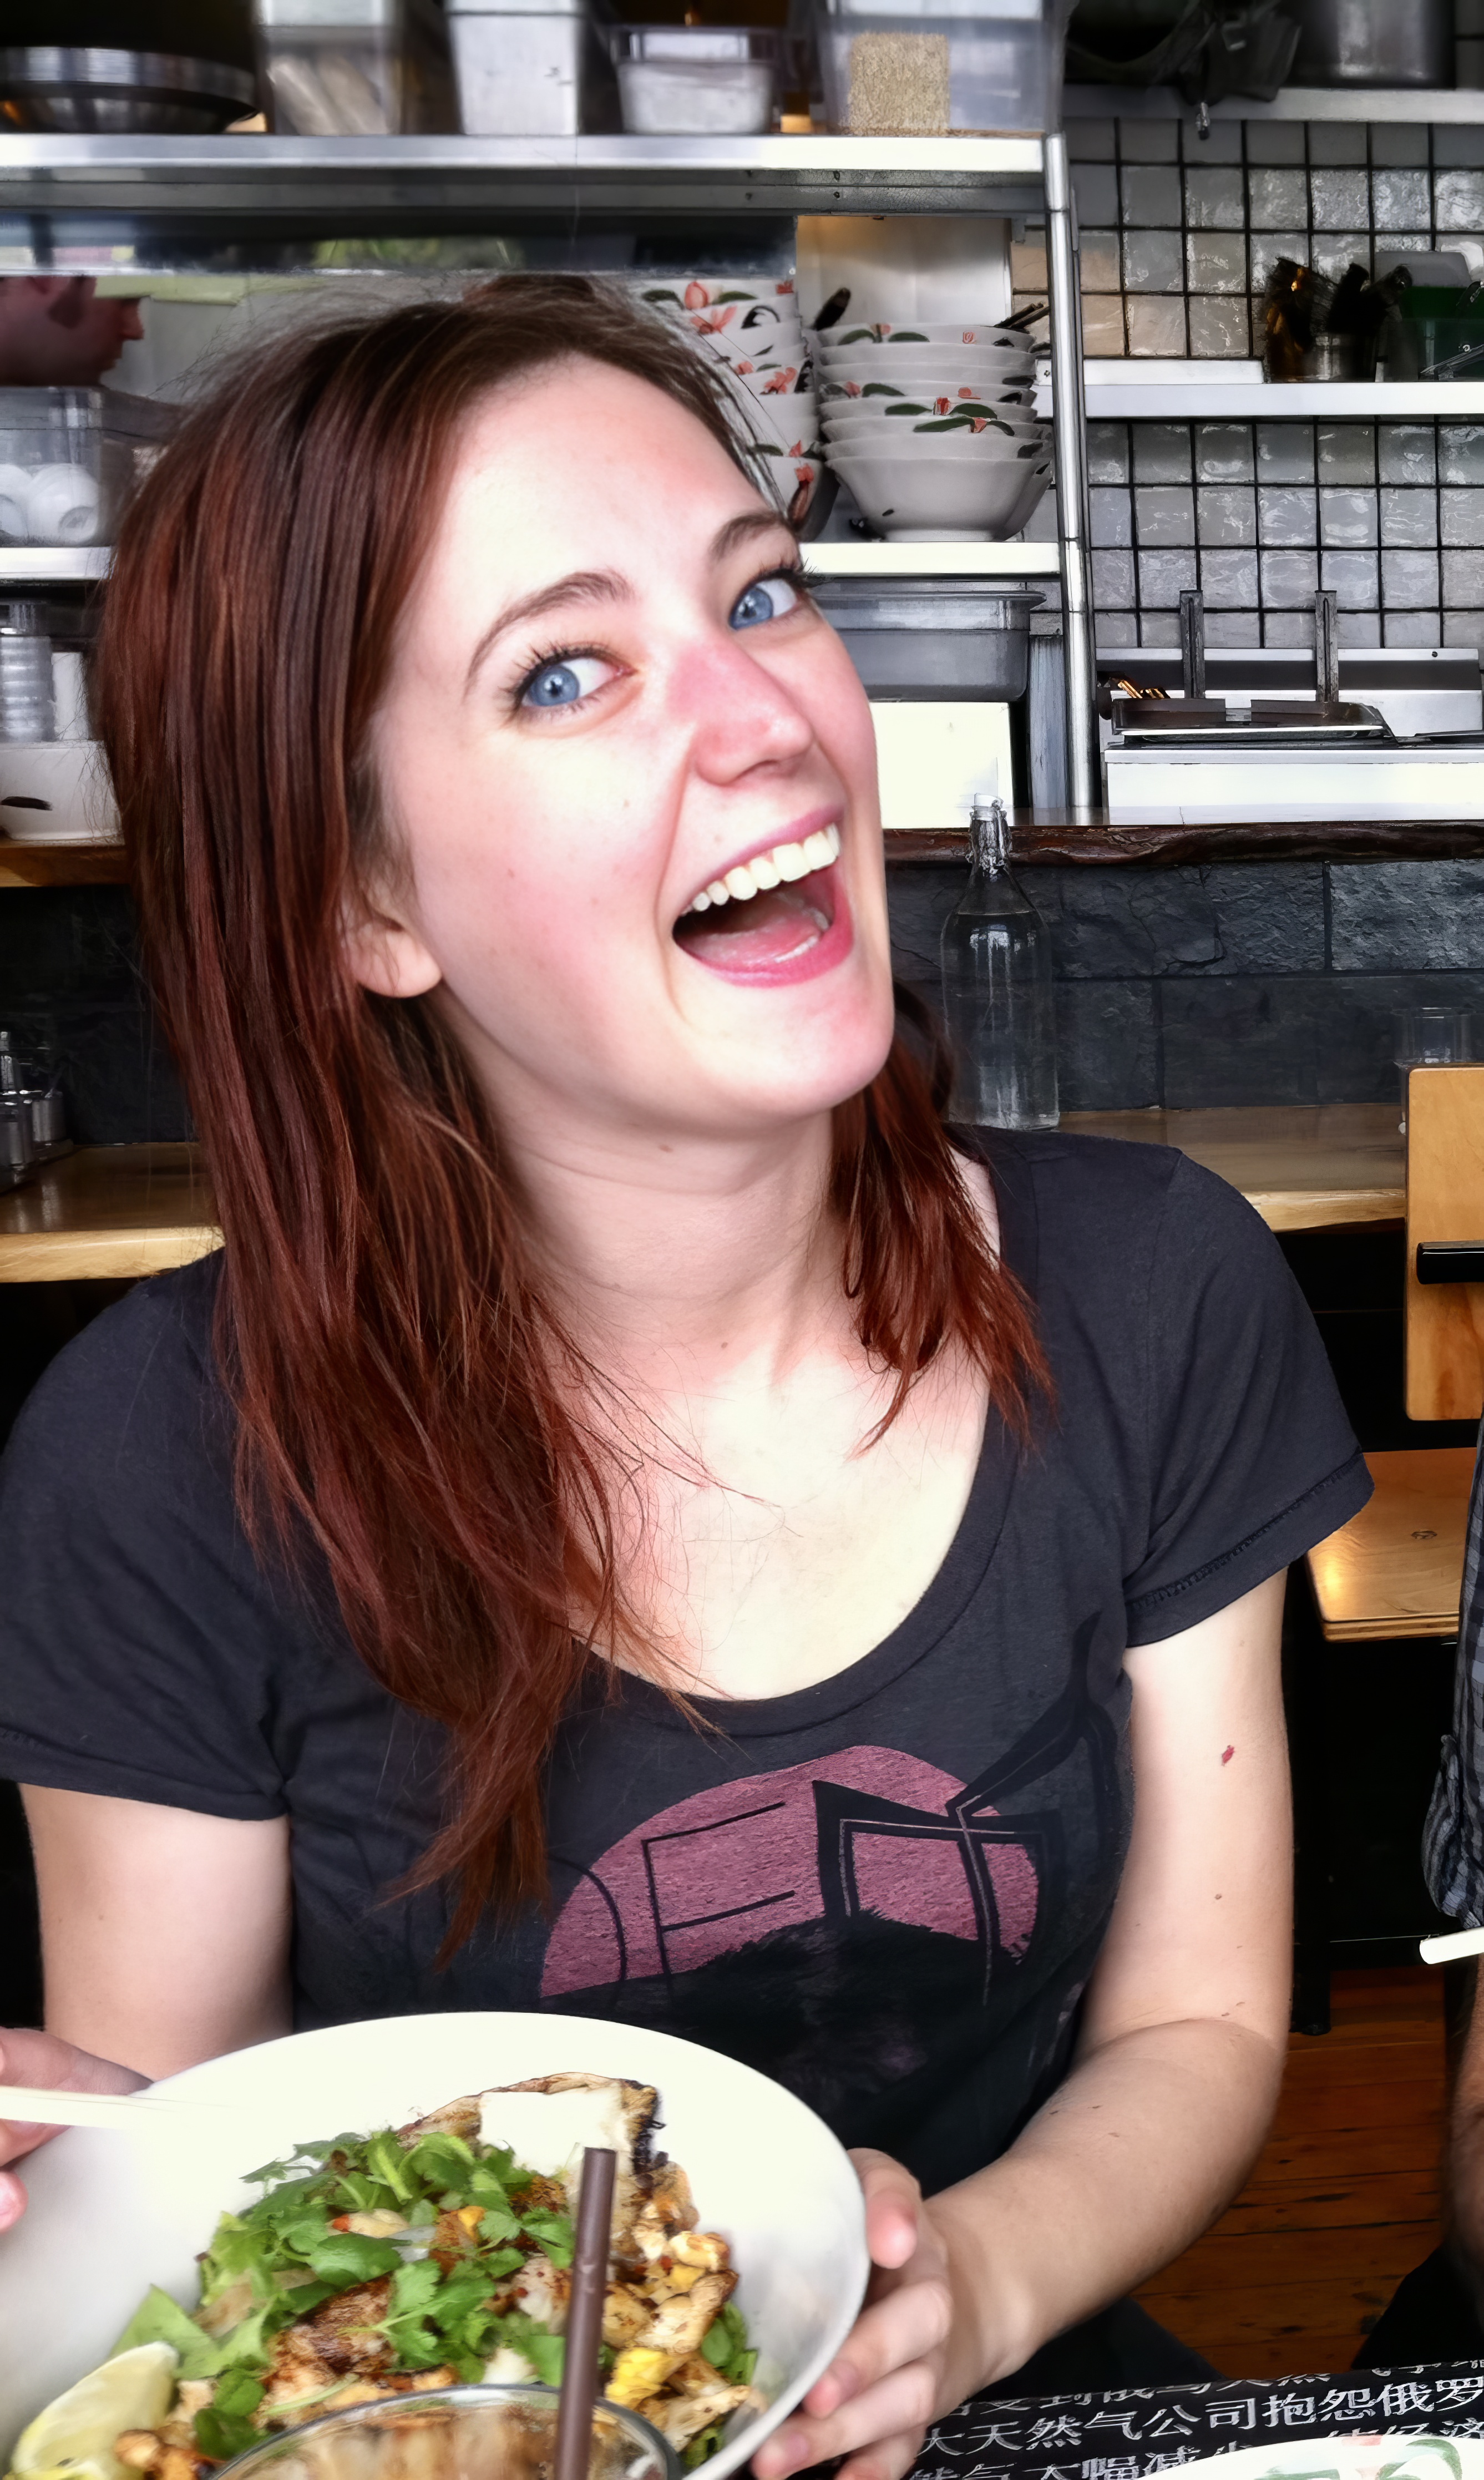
column 84, row 1256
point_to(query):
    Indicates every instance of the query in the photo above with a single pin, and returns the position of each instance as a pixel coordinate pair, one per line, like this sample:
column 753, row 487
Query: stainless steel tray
column 1212, row 723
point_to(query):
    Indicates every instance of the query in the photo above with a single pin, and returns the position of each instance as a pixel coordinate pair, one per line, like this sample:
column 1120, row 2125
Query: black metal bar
column 1450, row 1261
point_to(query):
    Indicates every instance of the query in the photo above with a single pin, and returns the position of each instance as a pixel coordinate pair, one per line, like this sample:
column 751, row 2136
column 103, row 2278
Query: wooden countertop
column 127, row 1210
column 107, row 1210
column 1046, row 836
column 1043, row 836
column 1304, row 1168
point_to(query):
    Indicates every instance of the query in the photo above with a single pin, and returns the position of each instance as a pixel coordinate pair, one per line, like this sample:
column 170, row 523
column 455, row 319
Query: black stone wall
column 71, row 988
column 1232, row 981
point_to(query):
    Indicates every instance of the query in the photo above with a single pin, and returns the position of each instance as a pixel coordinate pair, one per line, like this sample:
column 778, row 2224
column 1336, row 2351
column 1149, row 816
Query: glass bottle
column 998, row 1004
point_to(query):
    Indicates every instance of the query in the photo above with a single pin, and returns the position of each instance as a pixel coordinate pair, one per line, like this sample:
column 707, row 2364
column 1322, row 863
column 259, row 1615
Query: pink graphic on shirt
column 878, row 1835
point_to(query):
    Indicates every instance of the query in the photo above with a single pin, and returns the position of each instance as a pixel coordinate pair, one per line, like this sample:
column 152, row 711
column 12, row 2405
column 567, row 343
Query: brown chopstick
column 585, row 2315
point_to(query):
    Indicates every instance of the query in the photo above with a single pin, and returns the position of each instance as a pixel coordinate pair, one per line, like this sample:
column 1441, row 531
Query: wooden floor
column 1344, row 2201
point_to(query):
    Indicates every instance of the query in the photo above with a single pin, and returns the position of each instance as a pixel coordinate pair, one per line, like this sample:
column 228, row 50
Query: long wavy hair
column 402, row 1383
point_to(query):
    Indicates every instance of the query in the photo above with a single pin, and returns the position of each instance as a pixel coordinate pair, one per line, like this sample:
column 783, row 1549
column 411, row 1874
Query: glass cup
column 462, row 2432
column 1430, row 1037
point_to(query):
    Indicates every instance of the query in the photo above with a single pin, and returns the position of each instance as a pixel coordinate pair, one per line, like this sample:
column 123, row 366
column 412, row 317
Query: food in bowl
column 409, row 2261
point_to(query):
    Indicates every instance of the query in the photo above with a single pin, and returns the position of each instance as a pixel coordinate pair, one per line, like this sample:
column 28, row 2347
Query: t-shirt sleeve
column 138, row 1636
column 1251, row 1459
column 1453, row 1837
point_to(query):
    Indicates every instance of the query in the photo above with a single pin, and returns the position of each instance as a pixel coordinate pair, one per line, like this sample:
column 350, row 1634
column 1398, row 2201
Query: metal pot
column 1374, row 42
column 78, row 91
column 942, row 638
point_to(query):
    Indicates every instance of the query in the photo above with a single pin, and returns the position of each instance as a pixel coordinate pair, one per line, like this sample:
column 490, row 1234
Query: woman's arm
column 1169, row 2097
column 164, row 1936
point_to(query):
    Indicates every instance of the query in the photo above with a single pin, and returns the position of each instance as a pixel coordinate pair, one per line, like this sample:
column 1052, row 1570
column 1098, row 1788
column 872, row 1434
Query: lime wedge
column 76, row 2433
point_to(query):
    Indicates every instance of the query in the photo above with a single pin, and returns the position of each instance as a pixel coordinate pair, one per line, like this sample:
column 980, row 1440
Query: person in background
column 58, row 331
column 1438, row 2312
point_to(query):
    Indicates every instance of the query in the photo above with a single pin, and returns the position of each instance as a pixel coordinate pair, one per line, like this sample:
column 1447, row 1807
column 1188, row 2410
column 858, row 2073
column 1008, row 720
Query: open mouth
column 772, row 917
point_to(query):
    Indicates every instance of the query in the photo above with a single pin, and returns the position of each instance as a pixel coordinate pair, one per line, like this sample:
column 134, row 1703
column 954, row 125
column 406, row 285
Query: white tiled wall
column 1178, row 234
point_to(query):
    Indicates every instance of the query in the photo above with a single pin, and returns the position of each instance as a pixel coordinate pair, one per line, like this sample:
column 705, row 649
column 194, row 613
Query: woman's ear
column 385, row 954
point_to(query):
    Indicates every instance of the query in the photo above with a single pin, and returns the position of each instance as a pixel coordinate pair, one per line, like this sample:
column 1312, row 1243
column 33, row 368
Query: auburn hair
column 402, row 1383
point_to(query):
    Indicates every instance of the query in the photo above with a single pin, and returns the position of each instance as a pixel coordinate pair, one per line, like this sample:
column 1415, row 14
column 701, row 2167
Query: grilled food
column 439, row 2253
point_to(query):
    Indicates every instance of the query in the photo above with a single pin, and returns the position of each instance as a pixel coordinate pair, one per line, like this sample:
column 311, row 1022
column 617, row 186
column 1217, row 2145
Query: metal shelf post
column 1073, row 528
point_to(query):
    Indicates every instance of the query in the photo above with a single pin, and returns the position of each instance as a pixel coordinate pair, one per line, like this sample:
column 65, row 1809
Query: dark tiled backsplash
column 1178, row 234
column 1233, row 982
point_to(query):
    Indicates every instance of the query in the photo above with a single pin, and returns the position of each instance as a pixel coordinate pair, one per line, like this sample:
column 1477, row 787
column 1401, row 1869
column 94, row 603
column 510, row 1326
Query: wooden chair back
column 1444, row 1320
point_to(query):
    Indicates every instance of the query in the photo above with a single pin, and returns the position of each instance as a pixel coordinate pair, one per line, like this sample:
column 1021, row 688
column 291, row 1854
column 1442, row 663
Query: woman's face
column 633, row 777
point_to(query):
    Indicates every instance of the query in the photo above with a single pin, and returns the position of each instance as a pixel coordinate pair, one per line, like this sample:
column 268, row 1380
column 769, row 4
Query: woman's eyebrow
column 583, row 585
column 738, row 530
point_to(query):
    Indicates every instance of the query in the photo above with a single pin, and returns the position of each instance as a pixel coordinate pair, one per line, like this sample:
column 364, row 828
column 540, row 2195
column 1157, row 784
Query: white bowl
column 1014, row 405
column 908, row 439
column 898, row 334
column 914, row 369
column 53, row 792
column 111, row 2214
column 936, row 498
column 676, row 294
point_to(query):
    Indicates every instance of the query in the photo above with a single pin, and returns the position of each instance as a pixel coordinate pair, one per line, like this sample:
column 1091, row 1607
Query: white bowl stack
column 752, row 326
column 931, row 427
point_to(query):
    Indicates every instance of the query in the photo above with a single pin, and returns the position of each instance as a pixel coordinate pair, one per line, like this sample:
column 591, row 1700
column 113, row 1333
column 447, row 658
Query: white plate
column 1348, row 2458
column 111, row 2214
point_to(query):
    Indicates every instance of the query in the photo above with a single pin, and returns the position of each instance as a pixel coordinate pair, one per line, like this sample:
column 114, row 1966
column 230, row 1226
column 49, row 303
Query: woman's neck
column 675, row 1262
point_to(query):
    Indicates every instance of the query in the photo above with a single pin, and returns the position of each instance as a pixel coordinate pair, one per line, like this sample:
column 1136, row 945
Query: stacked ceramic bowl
column 932, row 428
column 752, row 326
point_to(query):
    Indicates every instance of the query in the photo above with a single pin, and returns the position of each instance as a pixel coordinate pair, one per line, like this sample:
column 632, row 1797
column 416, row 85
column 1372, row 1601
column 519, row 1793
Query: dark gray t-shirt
column 888, row 1890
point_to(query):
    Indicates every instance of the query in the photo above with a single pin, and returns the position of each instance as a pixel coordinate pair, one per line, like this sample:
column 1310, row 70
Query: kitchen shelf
column 1218, row 400
column 932, row 560
column 1462, row 105
column 59, row 865
column 262, row 186
column 44, row 564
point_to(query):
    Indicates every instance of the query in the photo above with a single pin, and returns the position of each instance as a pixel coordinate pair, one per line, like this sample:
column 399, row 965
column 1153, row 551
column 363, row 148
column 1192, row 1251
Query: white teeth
column 779, row 866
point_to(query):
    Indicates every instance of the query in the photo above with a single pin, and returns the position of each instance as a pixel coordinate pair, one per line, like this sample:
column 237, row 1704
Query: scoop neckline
column 964, row 1563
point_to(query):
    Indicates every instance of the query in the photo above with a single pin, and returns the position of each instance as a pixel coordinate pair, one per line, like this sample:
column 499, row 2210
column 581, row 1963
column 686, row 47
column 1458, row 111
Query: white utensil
column 30, row 2106
column 1453, row 1948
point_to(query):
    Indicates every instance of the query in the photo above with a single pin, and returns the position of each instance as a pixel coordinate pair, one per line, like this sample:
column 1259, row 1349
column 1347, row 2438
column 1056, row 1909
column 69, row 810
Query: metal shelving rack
column 159, row 204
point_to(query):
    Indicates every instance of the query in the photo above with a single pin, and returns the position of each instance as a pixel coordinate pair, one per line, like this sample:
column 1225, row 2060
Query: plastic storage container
column 355, row 68
column 706, row 81
column 940, row 639
column 69, row 458
column 890, row 68
column 27, row 701
column 51, row 464
column 529, row 72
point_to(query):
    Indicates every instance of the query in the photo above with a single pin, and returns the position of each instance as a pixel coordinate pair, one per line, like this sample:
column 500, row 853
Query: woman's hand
column 910, row 2354
column 38, row 2058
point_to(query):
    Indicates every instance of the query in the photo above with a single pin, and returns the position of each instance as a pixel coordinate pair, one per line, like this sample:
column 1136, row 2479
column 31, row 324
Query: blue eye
column 768, row 600
column 565, row 681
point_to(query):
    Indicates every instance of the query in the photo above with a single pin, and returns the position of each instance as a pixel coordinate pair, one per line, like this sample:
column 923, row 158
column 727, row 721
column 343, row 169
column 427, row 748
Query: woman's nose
column 744, row 715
